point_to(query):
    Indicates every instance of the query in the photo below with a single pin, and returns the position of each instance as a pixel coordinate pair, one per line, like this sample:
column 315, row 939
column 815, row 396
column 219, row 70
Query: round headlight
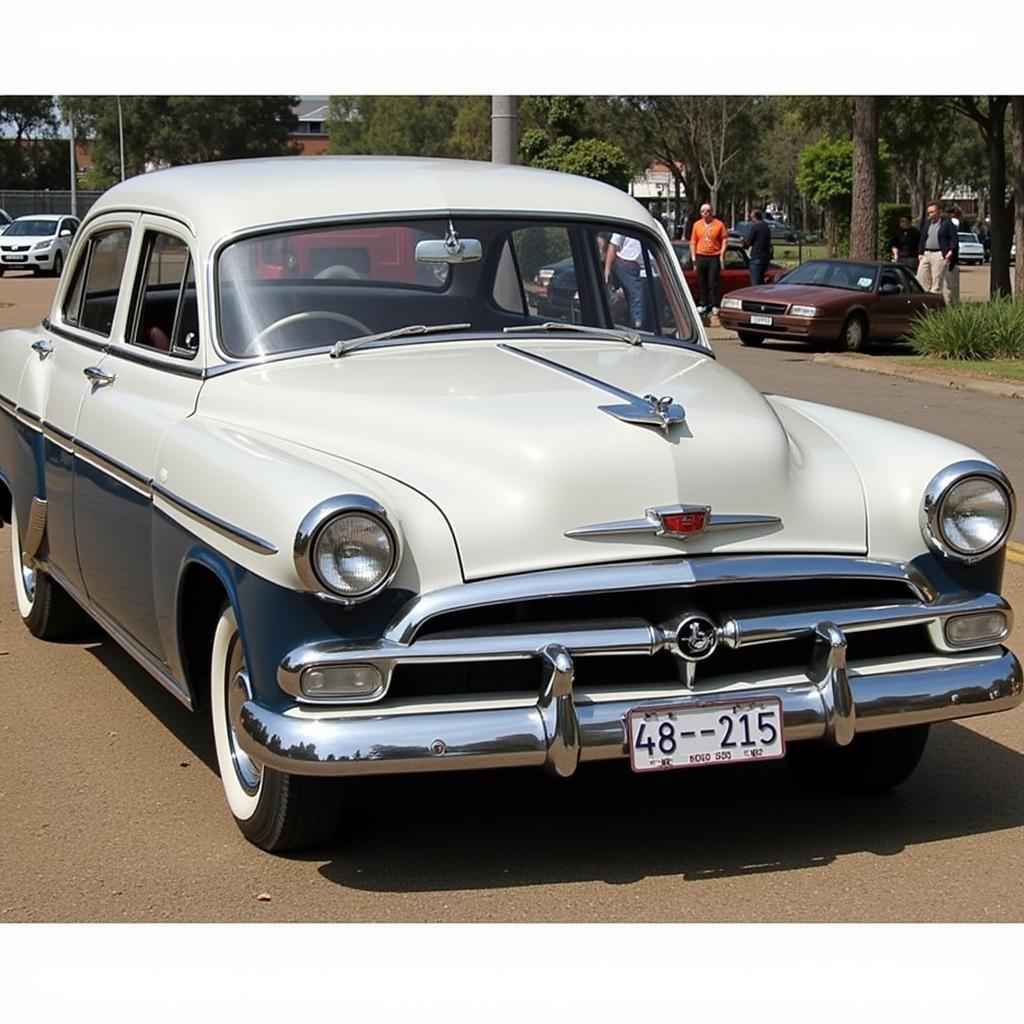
column 346, row 547
column 353, row 554
column 968, row 513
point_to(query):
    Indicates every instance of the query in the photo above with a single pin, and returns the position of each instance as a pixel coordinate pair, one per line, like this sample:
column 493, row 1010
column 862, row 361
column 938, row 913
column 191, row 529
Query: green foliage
column 165, row 131
column 888, row 221
column 825, row 174
column 972, row 330
column 30, row 155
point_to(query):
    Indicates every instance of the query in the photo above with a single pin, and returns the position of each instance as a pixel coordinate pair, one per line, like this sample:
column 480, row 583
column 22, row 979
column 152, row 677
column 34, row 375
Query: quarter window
column 165, row 316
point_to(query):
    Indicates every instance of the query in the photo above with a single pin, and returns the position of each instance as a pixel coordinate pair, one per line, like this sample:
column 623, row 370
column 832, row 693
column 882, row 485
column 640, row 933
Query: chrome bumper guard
column 559, row 732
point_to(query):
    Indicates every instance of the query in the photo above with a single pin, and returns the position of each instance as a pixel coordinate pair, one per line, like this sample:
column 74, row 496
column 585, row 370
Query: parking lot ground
column 113, row 812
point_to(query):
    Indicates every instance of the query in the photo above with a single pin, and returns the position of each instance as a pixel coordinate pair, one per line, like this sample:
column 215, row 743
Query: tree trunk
column 831, row 231
column 1017, row 147
column 864, row 217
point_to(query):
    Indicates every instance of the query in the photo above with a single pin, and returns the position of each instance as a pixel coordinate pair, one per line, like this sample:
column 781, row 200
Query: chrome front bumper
column 560, row 730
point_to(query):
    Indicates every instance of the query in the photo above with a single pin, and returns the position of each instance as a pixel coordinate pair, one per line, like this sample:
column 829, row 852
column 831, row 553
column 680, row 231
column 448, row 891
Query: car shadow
column 489, row 830
column 190, row 727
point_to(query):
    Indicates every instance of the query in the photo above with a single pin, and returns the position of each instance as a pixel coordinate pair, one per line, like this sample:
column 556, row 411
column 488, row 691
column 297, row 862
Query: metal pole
column 74, row 168
column 504, row 130
column 120, row 134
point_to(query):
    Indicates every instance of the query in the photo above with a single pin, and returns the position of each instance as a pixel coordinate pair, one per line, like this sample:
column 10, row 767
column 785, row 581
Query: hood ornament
column 676, row 521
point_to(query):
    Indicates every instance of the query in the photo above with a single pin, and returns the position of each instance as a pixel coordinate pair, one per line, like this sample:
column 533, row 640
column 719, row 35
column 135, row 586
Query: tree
column 30, row 155
column 171, row 130
column 826, row 179
column 989, row 114
column 864, row 212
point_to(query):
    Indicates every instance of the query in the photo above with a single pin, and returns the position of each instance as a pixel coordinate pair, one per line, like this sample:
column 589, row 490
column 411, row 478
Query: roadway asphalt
column 113, row 811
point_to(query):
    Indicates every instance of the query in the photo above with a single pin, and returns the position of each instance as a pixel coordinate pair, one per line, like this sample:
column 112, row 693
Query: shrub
column 972, row 330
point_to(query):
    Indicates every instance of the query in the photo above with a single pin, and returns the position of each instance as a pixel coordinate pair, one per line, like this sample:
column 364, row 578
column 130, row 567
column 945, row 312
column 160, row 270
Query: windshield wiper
column 603, row 332
column 341, row 347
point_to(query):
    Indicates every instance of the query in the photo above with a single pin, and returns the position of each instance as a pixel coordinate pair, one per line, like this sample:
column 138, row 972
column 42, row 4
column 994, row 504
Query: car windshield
column 854, row 277
column 967, row 236
column 32, row 227
column 311, row 287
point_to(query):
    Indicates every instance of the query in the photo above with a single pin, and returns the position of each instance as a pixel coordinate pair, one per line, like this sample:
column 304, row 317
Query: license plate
column 707, row 734
column 15, row 259
column 764, row 321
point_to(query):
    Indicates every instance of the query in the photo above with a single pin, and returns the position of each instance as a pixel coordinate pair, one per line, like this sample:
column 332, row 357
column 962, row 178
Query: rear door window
column 92, row 298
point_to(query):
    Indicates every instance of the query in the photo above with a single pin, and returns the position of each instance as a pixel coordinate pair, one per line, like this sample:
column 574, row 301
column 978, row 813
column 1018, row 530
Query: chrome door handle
column 99, row 378
column 43, row 346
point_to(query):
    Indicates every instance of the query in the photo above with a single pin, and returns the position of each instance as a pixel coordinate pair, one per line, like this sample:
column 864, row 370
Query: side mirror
column 889, row 289
column 65, row 233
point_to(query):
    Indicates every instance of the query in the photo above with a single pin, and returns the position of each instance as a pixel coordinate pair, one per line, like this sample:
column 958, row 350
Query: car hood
column 25, row 239
column 515, row 444
column 801, row 294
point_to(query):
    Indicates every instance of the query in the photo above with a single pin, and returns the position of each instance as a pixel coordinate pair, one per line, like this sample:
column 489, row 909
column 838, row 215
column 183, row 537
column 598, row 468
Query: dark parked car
column 781, row 232
column 844, row 301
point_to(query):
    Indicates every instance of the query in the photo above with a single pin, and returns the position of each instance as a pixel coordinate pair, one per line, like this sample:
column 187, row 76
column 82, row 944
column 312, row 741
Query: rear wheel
column 750, row 338
column 854, row 336
column 872, row 763
column 42, row 604
column 274, row 810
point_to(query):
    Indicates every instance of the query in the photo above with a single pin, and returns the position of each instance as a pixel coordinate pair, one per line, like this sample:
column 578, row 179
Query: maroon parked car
column 735, row 274
column 849, row 302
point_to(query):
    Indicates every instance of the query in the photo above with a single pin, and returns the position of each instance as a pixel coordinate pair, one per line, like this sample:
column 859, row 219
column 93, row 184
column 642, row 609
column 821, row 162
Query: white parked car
column 5, row 219
column 970, row 249
column 295, row 435
column 40, row 243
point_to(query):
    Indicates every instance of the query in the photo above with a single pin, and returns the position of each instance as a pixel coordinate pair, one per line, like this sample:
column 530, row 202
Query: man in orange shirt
column 707, row 252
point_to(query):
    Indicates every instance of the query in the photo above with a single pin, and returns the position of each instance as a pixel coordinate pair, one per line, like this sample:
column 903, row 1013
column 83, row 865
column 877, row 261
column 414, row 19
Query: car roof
column 42, row 216
column 231, row 196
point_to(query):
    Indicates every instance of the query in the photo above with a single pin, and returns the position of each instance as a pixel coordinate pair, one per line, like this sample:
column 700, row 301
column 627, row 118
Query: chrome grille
column 778, row 308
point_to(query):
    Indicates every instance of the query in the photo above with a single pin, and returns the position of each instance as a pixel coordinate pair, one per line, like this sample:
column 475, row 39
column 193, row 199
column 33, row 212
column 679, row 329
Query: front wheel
column 750, row 338
column 854, row 336
column 44, row 607
column 58, row 264
column 274, row 810
column 872, row 763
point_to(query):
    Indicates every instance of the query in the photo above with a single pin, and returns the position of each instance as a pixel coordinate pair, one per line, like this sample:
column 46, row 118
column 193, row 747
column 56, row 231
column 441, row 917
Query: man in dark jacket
column 937, row 250
column 903, row 244
column 759, row 242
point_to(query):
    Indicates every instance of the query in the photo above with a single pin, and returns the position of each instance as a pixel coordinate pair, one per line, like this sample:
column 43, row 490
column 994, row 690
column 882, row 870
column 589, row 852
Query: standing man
column 707, row 250
column 904, row 243
column 759, row 242
column 937, row 248
column 622, row 260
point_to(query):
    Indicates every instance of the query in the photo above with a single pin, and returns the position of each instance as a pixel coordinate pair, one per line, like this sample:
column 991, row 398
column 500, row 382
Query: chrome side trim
column 250, row 540
column 657, row 574
column 118, row 470
column 371, row 742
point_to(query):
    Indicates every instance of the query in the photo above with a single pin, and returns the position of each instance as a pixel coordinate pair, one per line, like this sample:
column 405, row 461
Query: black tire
column 750, row 338
column 44, row 606
column 58, row 264
column 854, row 335
column 274, row 810
column 872, row 763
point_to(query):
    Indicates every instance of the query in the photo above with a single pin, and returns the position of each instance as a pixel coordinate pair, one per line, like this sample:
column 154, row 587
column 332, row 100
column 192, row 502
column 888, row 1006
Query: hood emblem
column 677, row 521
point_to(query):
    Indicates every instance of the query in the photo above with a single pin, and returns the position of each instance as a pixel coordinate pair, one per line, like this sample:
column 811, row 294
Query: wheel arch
column 204, row 587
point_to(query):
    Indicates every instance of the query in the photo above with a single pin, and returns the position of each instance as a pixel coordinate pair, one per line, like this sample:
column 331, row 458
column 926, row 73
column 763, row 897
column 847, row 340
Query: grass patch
column 994, row 369
column 789, row 255
column 972, row 331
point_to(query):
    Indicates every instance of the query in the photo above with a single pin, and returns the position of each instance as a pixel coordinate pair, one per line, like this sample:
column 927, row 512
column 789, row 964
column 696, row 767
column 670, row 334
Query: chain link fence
column 22, row 202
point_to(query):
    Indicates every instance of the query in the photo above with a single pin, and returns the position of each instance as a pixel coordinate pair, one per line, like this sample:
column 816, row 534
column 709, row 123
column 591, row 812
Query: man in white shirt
column 625, row 254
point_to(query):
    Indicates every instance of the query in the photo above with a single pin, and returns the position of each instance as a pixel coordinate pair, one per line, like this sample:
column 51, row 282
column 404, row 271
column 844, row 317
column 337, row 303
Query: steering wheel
column 310, row 314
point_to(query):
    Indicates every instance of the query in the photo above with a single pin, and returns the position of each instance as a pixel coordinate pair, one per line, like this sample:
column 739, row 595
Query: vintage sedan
column 848, row 303
column 294, row 434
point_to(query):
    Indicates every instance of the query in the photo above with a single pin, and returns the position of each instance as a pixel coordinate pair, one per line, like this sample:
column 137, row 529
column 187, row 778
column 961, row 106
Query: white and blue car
column 295, row 434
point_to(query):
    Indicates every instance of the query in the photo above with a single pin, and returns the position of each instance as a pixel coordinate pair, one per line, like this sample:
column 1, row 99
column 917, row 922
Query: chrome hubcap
column 248, row 771
column 28, row 581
